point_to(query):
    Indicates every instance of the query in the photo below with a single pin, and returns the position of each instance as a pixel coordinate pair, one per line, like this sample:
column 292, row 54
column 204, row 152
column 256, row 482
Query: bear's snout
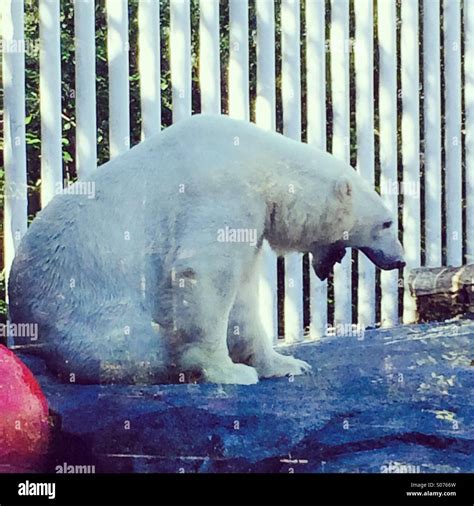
column 383, row 260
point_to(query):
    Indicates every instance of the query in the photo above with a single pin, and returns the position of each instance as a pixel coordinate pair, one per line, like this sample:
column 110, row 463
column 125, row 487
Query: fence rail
column 388, row 85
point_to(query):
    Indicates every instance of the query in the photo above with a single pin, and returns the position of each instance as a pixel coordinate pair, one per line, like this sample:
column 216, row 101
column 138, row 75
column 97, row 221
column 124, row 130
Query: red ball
column 24, row 423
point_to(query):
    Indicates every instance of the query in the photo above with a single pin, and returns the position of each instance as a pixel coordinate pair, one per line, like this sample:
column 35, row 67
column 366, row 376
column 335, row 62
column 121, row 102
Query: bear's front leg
column 203, row 291
column 247, row 339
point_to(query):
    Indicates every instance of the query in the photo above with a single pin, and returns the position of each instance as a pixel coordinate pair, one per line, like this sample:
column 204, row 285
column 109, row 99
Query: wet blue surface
column 393, row 400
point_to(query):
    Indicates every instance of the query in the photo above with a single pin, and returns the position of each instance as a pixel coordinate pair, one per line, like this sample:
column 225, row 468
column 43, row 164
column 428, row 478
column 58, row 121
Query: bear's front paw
column 237, row 374
column 277, row 365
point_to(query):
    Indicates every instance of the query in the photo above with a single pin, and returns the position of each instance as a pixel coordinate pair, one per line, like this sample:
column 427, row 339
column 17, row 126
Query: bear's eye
column 387, row 224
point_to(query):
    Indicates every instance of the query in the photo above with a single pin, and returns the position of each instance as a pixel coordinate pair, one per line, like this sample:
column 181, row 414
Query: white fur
column 156, row 294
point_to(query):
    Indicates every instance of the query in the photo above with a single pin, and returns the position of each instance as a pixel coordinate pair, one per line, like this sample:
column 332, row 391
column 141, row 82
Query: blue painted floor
column 398, row 400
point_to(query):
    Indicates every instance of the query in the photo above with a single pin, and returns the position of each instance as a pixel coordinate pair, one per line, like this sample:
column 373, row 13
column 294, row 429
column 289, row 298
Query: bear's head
column 371, row 230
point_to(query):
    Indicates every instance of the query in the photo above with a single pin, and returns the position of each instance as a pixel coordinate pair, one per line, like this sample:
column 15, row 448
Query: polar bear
column 143, row 282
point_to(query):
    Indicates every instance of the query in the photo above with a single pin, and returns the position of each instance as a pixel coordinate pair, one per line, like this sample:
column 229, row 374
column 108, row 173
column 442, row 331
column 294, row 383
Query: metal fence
column 387, row 85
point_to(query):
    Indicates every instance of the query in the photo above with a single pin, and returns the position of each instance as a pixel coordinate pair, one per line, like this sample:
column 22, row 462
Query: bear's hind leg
column 121, row 346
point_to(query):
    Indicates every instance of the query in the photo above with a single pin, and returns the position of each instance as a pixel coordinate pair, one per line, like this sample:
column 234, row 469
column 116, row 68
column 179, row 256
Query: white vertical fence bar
column 86, row 136
column 180, row 58
column 50, row 103
column 117, row 55
column 291, row 93
column 469, row 105
column 265, row 118
column 453, row 179
column 387, row 20
column 364, row 72
column 149, row 66
column 15, row 199
column 410, row 148
column 341, row 140
column 209, row 62
column 316, row 131
column 266, row 92
column 239, row 59
column 432, row 131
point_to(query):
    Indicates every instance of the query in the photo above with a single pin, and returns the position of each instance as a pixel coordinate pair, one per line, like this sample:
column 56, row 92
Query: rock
column 392, row 400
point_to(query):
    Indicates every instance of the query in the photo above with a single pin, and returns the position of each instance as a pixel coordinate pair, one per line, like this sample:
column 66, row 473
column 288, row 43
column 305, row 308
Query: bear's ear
column 343, row 189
